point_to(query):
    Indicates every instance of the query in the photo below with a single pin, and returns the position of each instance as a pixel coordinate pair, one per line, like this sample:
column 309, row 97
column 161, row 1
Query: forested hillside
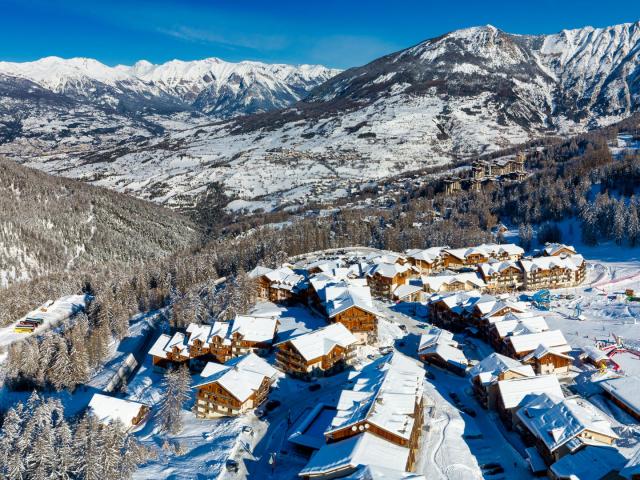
column 49, row 225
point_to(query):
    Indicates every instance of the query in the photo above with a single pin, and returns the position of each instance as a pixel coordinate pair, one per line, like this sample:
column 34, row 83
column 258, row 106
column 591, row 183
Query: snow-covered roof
column 594, row 353
column 448, row 353
column 259, row 271
column 255, row 329
column 542, row 350
column 571, row 262
column 488, row 309
column 371, row 472
column 403, row 291
column 359, row 450
column 530, row 341
column 427, row 255
column 384, row 393
column 521, row 326
column 240, row 376
column 516, row 391
column 206, row 332
column 109, row 409
column 555, row 424
column 496, row 268
column 632, row 467
column 590, row 462
column 552, row 249
column 387, row 270
column 625, row 389
column 320, row 342
column 342, row 296
column 487, row 250
column 435, row 335
column 490, row 368
column 437, row 282
column 165, row 344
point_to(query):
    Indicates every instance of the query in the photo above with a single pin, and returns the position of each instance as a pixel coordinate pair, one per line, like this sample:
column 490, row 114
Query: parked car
column 272, row 405
column 469, row 411
column 314, row 387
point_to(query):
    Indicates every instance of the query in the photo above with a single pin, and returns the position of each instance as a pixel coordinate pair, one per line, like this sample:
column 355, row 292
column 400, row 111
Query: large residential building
column 465, row 281
column 383, row 407
column 553, row 272
column 624, row 393
column 318, row 353
column 279, row 285
column 426, row 261
column 218, row 342
column 457, row 258
column 520, row 346
column 236, row 387
column 384, row 278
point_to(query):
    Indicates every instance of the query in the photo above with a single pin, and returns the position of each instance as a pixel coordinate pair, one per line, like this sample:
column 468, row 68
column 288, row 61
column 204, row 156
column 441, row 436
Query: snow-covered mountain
column 465, row 93
column 211, row 86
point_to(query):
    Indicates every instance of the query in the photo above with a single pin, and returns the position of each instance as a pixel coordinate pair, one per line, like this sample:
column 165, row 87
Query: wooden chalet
column 388, row 402
column 236, row 387
column 281, row 285
column 545, row 360
column 383, row 278
column 515, row 392
column 170, row 350
column 252, row 334
column 426, row 262
column 502, row 276
column 459, row 258
column 553, row 272
column 558, row 250
column 558, row 427
column 319, row 353
column 491, row 370
column 499, row 328
column 520, row 346
column 437, row 347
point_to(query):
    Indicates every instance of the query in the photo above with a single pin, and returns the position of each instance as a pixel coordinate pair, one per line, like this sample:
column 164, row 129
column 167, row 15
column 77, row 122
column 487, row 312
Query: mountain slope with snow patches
column 466, row 93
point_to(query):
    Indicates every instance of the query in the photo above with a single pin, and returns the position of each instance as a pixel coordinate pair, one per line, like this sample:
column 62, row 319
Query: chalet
column 280, row 285
column 437, row 347
column 426, row 261
column 234, row 388
column 321, row 352
column 519, row 346
column 384, row 278
column 492, row 369
column 170, row 350
column 516, row 392
column 351, row 305
column 594, row 356
column 553, row 272
column 623, row 391
column 473, row 256
column 546, row 360
column 502, row 276
column 208, row 342
column 560, row 427
column 591, row 462
column 252, row 334
column 558, row 250
column 109, row 409
column 408, row 293
column 513, row 324
column 386, row 401
column 452, row 310
column 490, row 309
column 453, row 283
column 355, row 454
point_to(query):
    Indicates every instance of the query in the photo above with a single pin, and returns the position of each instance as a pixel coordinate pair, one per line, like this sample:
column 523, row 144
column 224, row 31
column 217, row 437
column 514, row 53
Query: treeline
column 38, row 443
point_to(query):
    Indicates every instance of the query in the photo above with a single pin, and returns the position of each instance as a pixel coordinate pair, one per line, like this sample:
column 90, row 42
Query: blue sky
column 335, row 33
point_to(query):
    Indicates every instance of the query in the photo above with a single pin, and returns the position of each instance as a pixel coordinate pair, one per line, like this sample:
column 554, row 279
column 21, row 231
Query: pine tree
column 177, row 388
column 60, row 370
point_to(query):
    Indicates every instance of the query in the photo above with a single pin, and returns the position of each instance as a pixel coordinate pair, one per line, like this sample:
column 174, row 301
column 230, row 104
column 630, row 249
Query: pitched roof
column 342, row 296
column 165, row 344
column 436, row 282
column 447, row 353
column 388, row 270
column 240, row 376
column 320, row 342
column 552, row 249
column 521, row 326
column 530, row 341
column 572, row 262
column 625, row 389
column 493, row 365
column 434, row 336
column 590, row 462
column 385, row 394
column 109, row 409
column 517, row 391
column 255, row 329
column 427, row 255
column 542, row 350
column 403, row 291
column 360, row 450
column 556, row 424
